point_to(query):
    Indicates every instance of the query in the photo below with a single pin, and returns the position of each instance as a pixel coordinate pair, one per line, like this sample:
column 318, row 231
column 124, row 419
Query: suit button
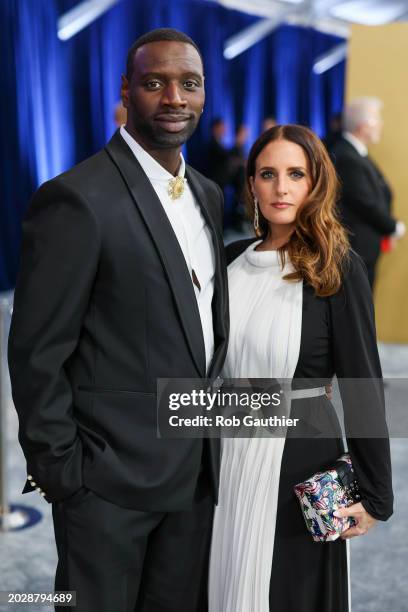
column 29, row 477
column 38, row 489
column 217, row 383
column 42, row 494
column 32, row 483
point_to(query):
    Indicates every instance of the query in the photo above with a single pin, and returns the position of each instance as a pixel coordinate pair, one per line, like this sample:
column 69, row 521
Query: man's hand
column 364, row 520
column 329, row 391
column 400, row 230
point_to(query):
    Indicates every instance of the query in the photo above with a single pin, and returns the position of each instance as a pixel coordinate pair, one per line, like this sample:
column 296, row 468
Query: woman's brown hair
column 318, row 247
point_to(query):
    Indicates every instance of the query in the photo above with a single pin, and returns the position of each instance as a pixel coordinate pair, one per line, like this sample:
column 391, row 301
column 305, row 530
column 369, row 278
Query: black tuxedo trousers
column 122, row 560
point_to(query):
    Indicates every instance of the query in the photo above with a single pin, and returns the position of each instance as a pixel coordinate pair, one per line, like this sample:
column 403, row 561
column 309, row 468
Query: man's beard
column 158, row 138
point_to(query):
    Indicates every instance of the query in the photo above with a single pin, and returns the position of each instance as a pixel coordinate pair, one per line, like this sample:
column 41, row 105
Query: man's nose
column 172, row 96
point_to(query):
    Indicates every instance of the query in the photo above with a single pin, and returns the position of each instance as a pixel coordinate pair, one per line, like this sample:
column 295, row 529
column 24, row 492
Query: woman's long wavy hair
column 318, row 247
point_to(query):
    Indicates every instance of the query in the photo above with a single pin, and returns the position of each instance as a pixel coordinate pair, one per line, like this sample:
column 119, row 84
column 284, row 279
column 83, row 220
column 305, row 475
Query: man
column 335, row 130
column 366, row 196
column 268, row 123
column 218, row 156
column 122, row 282
column 238, row 163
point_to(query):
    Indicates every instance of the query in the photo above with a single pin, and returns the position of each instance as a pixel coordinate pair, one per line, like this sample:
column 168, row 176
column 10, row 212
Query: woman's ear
column 252, row 185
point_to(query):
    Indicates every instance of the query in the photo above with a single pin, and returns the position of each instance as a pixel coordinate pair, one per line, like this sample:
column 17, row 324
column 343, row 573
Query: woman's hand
column 364, row 521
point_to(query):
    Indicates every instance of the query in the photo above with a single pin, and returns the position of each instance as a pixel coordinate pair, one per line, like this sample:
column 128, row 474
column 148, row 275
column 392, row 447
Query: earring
column 256, row 216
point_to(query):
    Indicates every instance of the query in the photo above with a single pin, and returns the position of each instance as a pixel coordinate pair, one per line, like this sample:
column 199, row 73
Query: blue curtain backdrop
column 58, row 97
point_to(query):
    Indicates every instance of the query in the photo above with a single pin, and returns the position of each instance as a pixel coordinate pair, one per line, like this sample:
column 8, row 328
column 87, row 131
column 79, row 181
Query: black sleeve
column 59, row 259
column 356, row 356
column 358, row 196
column 234, row 249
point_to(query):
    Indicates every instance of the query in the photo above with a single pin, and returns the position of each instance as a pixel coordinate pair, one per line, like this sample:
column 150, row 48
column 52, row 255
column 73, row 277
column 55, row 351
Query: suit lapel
column 165, row 240
column 220, row 300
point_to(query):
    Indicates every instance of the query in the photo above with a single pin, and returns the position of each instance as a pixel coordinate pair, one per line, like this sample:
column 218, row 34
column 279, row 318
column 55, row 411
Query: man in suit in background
column 122, row 282
column 218, row 165
column 366, row 197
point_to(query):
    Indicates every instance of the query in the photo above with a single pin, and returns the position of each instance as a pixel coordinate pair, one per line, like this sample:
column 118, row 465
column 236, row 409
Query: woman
column 301, row 308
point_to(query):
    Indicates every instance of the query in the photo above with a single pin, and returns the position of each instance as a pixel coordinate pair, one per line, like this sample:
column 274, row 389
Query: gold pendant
column 176, row 187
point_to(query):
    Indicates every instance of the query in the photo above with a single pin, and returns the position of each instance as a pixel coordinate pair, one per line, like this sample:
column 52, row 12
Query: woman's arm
column 355, row 355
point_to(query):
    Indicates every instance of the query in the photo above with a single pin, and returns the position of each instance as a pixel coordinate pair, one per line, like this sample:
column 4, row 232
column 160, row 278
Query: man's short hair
column 356, row 112
column 158, row 35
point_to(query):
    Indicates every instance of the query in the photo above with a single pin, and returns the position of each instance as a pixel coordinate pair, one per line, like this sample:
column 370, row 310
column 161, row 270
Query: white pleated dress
column 265, row 334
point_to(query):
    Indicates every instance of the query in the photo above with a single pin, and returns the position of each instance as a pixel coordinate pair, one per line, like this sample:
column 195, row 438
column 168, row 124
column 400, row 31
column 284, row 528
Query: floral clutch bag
column 322, row 494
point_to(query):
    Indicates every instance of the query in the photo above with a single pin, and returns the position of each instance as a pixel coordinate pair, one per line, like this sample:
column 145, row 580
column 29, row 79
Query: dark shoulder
column 97, row 166
column 93, row 176
column 342, row 151
column 355, row 288
column 341, row 145
column 234, row 249
column 93, row 183
column 205, row 182
column 354, row 270
column 212, row 191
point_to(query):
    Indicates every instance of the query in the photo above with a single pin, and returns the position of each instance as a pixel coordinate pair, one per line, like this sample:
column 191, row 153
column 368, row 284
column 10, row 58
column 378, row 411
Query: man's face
column 165, row 95
column 373, row 125
column 219, row 131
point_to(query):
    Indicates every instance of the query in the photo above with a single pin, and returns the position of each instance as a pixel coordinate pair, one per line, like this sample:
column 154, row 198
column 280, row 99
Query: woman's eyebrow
column 290, row 168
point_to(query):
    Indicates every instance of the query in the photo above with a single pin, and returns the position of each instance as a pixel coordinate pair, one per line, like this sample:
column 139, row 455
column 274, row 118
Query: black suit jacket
column 104, row 305
column 365, row 203
column 218, row 163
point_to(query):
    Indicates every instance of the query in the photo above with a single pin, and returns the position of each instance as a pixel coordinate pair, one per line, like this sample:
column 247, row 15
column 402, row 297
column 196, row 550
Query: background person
column 120, row 114
column 237, row 165
column 366, row 196
column 218, row 166
column 335, row 130
column 268, row 123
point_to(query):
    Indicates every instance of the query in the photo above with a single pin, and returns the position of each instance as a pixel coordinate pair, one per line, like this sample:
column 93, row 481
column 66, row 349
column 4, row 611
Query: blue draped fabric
column 35, row 108
column 254, row 109
column 58, row 97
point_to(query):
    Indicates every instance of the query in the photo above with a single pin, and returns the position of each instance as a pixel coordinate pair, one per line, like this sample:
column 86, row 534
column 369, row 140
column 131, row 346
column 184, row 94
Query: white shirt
column 192, row 233
column 356, row 143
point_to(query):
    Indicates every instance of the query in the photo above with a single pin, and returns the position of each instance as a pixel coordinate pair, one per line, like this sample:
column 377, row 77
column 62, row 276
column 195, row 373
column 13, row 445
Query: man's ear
column 124, row 91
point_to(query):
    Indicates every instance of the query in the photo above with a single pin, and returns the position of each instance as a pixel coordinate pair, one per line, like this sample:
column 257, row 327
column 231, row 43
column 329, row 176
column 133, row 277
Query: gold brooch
column 176, row 187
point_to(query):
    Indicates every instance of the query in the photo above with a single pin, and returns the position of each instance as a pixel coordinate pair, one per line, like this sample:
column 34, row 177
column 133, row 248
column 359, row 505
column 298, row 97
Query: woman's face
column 281, row 183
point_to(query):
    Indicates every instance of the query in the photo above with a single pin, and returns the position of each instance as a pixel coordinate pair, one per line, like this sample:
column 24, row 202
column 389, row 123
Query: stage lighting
column 76, row 19
column 329, row 59
column 369, row 12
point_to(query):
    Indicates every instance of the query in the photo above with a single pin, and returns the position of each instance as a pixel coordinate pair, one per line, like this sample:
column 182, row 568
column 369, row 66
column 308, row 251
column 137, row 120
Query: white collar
column 356, row 143
column 151, row 167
